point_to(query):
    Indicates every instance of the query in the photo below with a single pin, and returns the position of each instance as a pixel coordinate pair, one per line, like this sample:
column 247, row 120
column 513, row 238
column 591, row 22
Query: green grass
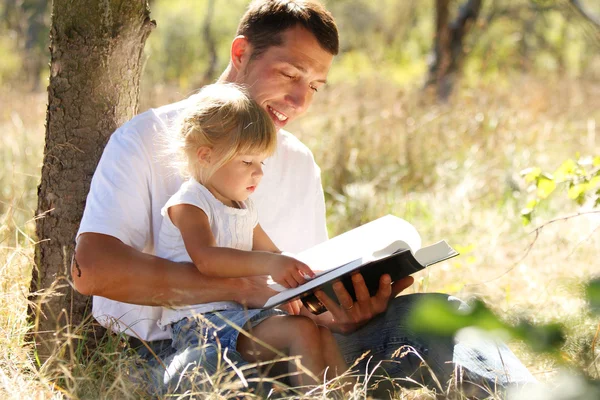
column 451, row 170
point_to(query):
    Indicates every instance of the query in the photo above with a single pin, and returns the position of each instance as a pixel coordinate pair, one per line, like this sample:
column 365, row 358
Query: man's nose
column 299, row 97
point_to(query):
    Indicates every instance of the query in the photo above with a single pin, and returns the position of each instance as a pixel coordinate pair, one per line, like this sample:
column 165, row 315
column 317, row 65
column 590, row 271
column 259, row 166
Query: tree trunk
column 210, row 42
column 96, row 50
column 448, row 49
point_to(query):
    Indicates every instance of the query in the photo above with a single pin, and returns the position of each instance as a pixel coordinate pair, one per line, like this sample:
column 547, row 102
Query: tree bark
column 96, row 50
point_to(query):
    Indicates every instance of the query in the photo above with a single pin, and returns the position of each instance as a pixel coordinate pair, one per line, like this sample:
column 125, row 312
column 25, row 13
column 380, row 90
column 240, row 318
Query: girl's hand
column 287, row 271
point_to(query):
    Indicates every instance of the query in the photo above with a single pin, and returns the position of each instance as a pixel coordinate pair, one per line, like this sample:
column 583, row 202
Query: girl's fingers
column 305, row 270
column 298, row 276
column 291, row 281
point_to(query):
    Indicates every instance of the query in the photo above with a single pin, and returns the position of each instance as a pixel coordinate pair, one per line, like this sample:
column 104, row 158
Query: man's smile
column 279, row 116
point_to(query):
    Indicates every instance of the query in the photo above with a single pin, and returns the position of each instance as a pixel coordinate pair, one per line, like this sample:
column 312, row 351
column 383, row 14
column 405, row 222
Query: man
column 282, row 54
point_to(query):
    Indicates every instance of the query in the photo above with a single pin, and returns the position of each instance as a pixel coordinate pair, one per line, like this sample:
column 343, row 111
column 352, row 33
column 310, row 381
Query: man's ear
column 203, row 154
column 241, row 50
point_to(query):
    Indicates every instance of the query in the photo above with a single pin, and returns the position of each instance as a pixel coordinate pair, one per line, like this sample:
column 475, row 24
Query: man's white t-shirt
column 134, row 180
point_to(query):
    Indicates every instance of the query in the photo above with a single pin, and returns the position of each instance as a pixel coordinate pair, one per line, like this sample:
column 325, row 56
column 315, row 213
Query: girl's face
column 237, row 179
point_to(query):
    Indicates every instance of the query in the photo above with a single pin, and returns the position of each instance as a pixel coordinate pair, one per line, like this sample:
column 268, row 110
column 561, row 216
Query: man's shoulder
column 289, row 144
column 146, row 125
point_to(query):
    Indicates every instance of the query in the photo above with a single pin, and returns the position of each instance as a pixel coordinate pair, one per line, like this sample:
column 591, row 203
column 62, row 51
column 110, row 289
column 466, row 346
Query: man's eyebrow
column 303, row 70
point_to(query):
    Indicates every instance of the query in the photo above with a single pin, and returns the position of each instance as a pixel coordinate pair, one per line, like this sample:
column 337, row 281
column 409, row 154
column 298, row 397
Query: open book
column 388, row 245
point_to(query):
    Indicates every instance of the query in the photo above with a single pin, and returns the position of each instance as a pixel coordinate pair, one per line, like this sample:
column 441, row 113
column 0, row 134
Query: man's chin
column 279, row 124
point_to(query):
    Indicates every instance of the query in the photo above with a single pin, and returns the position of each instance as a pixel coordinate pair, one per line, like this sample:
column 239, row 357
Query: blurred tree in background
column 24, row 41
column 406, row 40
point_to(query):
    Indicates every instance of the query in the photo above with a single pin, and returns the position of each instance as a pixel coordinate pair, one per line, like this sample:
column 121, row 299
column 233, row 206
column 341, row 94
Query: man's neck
column 228, row 75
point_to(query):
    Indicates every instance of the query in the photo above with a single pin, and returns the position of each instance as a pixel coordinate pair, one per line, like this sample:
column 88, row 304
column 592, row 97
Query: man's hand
column 253, row 291
column 349, row 315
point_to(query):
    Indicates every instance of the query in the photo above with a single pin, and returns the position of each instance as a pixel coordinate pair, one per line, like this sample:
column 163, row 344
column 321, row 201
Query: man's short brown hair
column 265, row 21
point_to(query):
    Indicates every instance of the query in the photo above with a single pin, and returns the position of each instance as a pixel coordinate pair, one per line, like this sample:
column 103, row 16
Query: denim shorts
column 219, row 328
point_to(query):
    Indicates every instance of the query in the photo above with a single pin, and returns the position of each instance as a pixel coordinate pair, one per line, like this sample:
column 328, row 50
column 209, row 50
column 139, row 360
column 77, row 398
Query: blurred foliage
column 177, row 53
column 24, row 27
column 391, row 37
column 439, row 317
column 580, row 178
column 592, row 292
column 388, row 37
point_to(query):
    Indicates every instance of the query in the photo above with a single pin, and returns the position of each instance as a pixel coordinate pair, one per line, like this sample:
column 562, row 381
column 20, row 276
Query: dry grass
column 452, row 170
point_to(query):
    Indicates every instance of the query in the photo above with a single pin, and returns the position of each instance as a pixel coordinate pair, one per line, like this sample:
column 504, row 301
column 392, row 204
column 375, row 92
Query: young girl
column 225, row 138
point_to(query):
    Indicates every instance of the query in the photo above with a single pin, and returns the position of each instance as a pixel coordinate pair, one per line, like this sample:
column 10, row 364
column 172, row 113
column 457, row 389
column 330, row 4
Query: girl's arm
column 224, row 262
column 262, row 242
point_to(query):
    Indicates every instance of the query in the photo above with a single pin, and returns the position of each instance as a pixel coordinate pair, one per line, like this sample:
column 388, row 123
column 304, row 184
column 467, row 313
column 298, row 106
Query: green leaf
column 592, row 293
column 439, row 317
column 532, row 204
column 578, row 190
column 541, row 338
column 442, row 318
column 545, row 187
column 526, row 215
column 531, row 174
column 566, row 169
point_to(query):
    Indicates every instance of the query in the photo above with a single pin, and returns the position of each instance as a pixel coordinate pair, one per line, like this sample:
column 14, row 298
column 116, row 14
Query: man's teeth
column 279, row 115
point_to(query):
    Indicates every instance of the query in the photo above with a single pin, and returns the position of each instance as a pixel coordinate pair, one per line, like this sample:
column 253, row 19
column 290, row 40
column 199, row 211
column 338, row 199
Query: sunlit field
column 452, row 170
column 528, row 95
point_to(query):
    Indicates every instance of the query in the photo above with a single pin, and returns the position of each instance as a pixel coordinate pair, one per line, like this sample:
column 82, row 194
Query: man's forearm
column 105, row 266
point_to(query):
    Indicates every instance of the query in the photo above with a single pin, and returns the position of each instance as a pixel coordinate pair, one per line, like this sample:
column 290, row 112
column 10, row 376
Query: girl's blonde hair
column 225, row 119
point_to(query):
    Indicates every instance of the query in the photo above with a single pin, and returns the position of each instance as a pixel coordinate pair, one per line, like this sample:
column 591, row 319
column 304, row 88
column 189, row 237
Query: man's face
column 284, row 79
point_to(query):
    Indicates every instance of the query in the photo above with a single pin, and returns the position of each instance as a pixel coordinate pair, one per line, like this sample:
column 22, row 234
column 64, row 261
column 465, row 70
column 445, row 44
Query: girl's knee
column 306, row 329
column 326, row 336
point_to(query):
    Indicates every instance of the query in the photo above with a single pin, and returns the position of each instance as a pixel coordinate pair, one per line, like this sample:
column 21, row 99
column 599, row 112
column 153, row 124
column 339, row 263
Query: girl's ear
column 203, row 154
column 241, row 50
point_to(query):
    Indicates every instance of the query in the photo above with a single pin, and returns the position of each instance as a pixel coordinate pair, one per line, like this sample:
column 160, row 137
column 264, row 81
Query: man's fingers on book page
column 329, row 304
column 401, row 285
column 385, row 287
column 346, row 301
column 360, row 288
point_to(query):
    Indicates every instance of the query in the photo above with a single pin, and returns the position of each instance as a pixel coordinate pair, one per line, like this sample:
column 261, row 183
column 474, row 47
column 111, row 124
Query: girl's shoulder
column 193, row 193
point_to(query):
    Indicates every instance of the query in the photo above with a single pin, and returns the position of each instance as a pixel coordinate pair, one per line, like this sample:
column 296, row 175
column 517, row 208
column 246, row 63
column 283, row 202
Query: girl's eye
column 287, row 75
column 262, row 162
column 247, row 162
column 314, row 88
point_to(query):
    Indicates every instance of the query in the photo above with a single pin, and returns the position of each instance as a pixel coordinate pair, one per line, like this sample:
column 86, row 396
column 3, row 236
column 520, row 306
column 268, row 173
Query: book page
column 360, row 242
column 434, row 253
column 287, row 294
